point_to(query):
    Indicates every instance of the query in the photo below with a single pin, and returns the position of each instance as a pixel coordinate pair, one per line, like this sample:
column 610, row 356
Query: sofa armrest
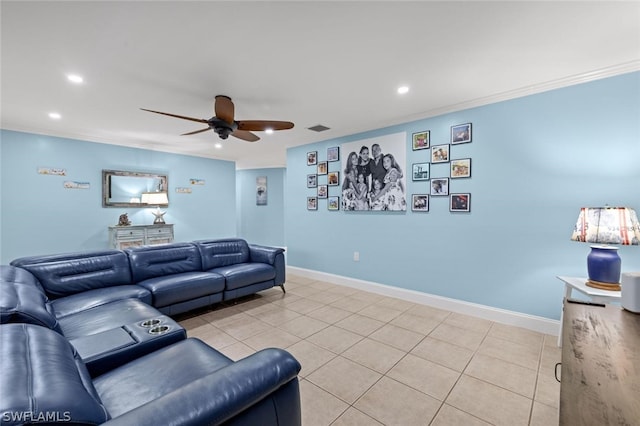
column 274, row 256
column 222, row 394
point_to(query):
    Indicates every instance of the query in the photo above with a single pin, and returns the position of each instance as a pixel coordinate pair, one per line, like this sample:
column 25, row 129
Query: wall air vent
column 318, row 128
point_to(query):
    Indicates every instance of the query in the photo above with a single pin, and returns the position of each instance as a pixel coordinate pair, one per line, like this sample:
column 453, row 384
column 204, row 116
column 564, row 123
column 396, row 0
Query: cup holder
column 150, row 323
column 159, row 329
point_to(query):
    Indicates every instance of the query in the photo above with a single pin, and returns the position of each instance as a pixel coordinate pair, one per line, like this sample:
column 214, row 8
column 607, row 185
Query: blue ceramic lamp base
column 604, row 266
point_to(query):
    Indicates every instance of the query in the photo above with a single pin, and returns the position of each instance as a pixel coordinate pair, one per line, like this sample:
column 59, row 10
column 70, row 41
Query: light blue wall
column 40, row 216
column 535, row 161
column 261, row 224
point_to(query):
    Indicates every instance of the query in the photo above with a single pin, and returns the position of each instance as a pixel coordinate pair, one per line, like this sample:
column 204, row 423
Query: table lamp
column 155, row 199
column 604, row 226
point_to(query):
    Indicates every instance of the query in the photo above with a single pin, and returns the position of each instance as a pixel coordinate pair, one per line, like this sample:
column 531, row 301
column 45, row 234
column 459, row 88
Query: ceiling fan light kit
column 224, row 123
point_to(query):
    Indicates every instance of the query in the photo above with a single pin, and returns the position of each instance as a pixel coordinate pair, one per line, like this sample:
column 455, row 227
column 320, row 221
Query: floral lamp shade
column 604, row 226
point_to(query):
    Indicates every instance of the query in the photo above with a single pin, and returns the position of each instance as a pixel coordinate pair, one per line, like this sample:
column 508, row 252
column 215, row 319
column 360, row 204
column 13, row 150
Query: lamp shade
column 154, row 198
column 606, row 225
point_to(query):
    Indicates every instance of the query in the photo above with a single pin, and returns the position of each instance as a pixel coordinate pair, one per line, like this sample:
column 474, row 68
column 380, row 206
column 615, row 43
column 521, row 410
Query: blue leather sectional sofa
column 86, row 338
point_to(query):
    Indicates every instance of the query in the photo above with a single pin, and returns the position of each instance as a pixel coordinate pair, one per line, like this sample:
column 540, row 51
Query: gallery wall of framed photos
column 324, row 179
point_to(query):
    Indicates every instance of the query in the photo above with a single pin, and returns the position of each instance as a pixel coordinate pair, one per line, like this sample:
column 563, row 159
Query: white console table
column 121, row 237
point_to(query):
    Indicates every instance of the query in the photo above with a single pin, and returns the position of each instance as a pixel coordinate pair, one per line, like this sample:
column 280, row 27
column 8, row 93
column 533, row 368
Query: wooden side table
column 595, row 294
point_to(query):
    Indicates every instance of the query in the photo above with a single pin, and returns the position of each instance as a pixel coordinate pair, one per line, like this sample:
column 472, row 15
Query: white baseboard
column 503, row 316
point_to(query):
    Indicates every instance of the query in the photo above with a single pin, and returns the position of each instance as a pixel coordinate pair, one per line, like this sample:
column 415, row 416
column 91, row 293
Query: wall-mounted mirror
column 124, row 189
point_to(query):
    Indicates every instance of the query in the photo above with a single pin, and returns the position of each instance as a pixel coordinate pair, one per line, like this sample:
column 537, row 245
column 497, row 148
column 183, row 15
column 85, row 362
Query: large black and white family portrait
column 373, row 178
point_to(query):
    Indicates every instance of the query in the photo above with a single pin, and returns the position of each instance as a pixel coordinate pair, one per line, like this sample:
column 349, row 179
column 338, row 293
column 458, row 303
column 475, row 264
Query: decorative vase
column 604, row 264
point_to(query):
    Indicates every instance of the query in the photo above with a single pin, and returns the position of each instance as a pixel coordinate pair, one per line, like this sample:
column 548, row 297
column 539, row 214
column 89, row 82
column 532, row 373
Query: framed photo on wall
column 333, row 178
column 322, row 168
column 420, row 202
column 333, row 153
column 312, row 181
column 323, row 191
column 420, row 140
column 460, row 202
column 461, row 133
column 333, row 203
column 440, row 153
column 312, row 203
column 461, row 168
column 312, row 158
column 439, row 186
column 420, row 171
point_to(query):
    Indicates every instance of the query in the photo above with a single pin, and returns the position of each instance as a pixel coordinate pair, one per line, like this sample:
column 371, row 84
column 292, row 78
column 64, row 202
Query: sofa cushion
column 90, row 299
column 245, row 274
column 176, row 288
column 225, row 252
column 163, row 260
column 70, row 273
column 42, row 378
column 157, row 374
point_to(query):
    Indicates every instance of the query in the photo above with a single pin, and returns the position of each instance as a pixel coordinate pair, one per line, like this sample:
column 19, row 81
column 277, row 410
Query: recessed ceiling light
column 218, row 145
column 74, row 78
column 403, row 89
column 54, row 116
column 269, row 131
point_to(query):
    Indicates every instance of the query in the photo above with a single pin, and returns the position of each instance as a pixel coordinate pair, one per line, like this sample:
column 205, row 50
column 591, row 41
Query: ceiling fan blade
column 199, row 120
column 197, row 131
column 246, row 136
column 224, row 108
column 258, row 125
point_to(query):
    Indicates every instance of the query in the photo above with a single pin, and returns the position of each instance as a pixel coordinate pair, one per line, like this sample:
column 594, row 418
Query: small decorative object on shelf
column 123, row 220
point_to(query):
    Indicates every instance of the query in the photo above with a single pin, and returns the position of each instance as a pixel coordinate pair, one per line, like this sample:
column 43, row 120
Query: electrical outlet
column 356, row 256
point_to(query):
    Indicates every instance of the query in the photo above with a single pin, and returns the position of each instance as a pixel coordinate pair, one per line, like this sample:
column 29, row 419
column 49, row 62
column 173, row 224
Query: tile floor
column 374, row 360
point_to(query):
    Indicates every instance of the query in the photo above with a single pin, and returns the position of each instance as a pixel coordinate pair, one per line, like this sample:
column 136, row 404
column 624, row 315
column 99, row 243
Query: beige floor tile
column 397, row 337
column 319, row 407
column 298, row 279
column 392, row 403
column 245, row 327
column 284, row 299
column 451, row 416
column 393, row 303
column 278, row 316
column 443, row 353
column 489, row 402
column 351, row 304
column 429, row 312
column 212, row 336
column 380, row 313
column 550, row 356
column 374, row 355
column 468, row 322
column 416, row 323
column 329, row 314
column 353, row 417
column 458, row 336
column 191, row 323
column 335, row 339
column 425, row 376
column 274, row 338
column 344, row 378
column 304, row 291
column 544, row 415
column 366, row 296
column 523, row 355
column 343, row 290
column 360, row 324
column 501, row 373
column 225, row 316
column 237, row 351
column 304, row 306
column 257, row 307
column 517, row 335
column 548, row 391
column 310, row 356
column 324, row 297
column 303, row 326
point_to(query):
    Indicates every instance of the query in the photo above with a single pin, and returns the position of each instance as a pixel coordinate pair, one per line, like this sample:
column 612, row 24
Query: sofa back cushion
column 162, row 260
column 44, row 379
column 65, row 274
column 217, row 253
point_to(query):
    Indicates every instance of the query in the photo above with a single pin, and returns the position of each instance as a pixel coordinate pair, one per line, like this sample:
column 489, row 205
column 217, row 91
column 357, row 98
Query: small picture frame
column 460, row 202
column 421, row 140
column 312, row 181
column 460, row 168
column 461, row 133
column 312, row 158
column 322, row 168
column 333, row 178
column 440, row 153
column 420, row 202
column 323, row 191
column 333, row 153
column 333, row 203
column 439, row 186
column 312, row 203
column 420, row 171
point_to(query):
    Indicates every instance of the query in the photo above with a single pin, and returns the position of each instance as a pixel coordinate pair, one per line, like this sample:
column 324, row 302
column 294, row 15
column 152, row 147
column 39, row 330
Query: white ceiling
column 331, row 63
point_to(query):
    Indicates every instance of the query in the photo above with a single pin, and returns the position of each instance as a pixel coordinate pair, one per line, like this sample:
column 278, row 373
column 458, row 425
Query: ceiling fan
column 224, row 124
